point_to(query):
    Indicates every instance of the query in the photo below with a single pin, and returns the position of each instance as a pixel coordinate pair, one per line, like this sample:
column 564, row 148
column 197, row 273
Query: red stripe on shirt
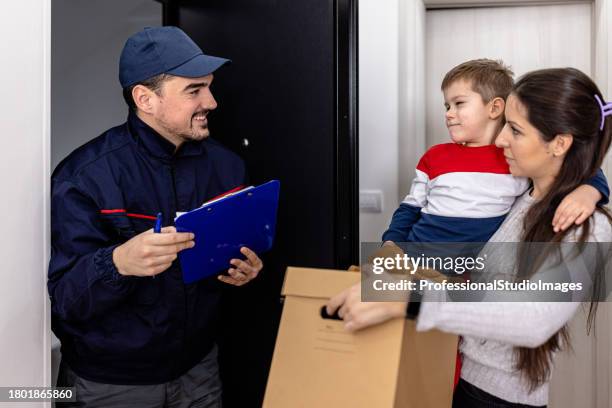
column 455, row 158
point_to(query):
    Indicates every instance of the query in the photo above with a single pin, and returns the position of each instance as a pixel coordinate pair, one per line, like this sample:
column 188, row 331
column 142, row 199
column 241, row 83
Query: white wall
column 432, row 4
column 412, row 92
column 378, row 110
column 86, row 43
column 24, row 170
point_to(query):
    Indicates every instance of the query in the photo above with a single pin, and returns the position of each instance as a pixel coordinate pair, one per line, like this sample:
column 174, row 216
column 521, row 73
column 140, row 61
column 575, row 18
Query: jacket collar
column 158, row 146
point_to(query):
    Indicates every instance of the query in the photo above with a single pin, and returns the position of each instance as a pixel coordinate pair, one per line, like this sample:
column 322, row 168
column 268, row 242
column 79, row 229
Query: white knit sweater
column 491, row 330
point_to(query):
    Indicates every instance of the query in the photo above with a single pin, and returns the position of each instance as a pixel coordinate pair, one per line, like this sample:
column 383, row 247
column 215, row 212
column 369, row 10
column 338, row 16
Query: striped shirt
column 459, row 194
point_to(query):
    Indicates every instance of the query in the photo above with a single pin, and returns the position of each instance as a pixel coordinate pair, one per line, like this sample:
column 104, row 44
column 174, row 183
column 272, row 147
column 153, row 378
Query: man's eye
column 195, row 92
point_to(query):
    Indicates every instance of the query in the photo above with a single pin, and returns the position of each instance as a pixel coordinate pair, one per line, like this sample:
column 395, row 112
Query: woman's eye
column 514, row 131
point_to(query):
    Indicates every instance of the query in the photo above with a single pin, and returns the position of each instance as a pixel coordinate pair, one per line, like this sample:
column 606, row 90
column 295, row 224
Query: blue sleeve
column 83, row 281
column 401, row 223
column 600, row 183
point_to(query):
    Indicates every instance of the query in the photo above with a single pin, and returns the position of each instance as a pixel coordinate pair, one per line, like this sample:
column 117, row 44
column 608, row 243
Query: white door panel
column 526, row 38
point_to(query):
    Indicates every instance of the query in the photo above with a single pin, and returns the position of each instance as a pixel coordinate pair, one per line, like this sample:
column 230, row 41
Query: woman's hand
column 576, row 207
column 358, row 315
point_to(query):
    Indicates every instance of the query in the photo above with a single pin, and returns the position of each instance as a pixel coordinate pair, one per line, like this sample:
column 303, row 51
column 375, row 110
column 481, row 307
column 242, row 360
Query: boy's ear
column 561, row 144
column 496, row 108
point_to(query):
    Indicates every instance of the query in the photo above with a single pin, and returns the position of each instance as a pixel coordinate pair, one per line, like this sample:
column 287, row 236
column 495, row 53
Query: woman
column 557, row 134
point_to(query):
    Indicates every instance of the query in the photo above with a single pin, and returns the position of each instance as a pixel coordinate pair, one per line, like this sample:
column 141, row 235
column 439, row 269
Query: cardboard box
column 318, row 364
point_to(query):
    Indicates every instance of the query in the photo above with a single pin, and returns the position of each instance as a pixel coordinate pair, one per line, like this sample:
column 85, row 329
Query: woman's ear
column 496, row 109
column 560, row 145
column 143, row 98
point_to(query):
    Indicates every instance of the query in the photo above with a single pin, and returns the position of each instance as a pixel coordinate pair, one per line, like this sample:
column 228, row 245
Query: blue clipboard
column 221, row 228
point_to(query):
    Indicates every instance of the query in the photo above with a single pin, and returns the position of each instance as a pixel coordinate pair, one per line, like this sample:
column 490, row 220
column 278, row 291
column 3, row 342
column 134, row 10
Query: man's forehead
column 183, row 82
column 208, row 78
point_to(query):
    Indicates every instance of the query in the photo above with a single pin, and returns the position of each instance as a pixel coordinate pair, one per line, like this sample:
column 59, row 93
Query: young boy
column 463, row 190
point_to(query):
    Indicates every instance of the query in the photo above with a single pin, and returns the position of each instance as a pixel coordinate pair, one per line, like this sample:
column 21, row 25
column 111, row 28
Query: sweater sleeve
column 515, row 317
column 525, row 318
column 523, row 324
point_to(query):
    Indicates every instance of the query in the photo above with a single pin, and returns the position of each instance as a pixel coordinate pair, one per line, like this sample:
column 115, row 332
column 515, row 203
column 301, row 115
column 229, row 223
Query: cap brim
column 199, row 66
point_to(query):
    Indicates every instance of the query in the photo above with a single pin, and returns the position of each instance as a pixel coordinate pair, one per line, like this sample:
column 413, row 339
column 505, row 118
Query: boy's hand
column 576, row 207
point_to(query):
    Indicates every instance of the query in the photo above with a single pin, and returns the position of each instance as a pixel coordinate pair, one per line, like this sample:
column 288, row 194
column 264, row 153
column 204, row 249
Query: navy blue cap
column 163, row 50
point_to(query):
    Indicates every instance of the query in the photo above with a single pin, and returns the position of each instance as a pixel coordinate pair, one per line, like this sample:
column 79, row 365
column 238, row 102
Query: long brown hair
column 560, row 101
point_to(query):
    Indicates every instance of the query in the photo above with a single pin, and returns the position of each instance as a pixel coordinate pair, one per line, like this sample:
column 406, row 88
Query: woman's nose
column 501, row 139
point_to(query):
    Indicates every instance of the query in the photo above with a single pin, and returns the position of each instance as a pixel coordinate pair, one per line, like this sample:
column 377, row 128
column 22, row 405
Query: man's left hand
column 243, row 270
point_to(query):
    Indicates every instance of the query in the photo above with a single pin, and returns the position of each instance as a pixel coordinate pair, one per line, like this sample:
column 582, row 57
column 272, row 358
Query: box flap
column 317, row 283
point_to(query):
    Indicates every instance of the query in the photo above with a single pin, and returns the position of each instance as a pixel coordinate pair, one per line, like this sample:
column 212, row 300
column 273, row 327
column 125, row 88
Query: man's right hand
column 149, row 254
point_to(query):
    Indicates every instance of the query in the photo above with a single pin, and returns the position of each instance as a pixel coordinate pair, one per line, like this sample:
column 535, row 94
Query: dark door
column 287, row 105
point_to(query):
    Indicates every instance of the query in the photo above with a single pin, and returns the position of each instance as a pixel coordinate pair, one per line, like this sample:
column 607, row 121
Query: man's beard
column 195, row 133
column 199, row 131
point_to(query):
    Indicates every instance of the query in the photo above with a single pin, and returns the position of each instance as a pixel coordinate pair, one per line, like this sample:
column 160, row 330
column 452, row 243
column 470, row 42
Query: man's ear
column 560, row 145
column 143, row 98
column 496, row 108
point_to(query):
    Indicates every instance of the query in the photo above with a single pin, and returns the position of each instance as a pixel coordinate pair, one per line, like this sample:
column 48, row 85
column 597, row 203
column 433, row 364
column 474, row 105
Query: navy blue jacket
column 131, row 330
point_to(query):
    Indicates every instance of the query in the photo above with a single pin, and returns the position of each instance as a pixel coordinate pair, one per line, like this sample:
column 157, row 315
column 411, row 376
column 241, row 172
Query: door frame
column 346, row 124
column 46, row 190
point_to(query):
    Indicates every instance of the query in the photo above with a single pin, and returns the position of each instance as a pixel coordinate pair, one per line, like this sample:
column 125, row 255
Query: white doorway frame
column 46, row 188
column 25, row 317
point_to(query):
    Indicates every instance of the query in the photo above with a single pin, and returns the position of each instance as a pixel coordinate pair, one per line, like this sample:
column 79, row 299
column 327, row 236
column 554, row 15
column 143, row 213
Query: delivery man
column 132, row 333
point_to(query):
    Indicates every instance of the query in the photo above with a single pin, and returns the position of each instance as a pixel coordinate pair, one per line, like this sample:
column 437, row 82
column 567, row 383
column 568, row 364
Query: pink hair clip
column 606, row 110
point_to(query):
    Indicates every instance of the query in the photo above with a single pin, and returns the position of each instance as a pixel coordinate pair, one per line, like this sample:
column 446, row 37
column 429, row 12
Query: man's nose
column 208, row 100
